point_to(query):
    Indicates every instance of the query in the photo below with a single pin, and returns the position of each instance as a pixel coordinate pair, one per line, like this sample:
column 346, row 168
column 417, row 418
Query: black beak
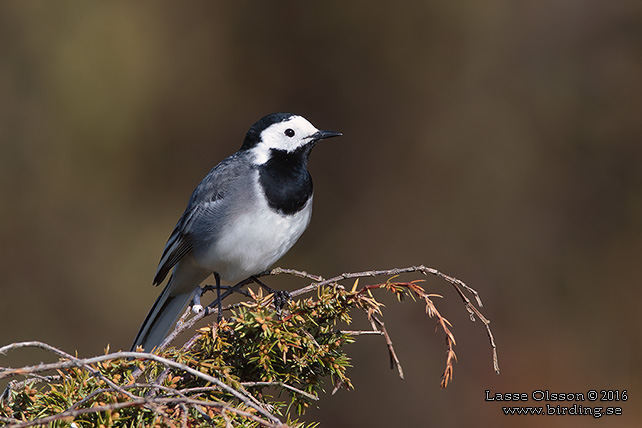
column 321, row 135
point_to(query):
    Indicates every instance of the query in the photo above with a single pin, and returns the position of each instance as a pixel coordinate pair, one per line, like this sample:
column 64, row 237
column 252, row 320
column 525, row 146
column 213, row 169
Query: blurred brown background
column 497, row 141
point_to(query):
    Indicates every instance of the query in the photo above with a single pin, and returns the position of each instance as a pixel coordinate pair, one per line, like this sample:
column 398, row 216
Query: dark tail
column 161, row 318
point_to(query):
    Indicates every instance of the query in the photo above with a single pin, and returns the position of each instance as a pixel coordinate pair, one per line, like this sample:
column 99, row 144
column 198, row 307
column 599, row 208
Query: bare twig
column 228, row 421
column 361, row 332
column 283, row 385
column 378, row 325
column 184, row 414
column 293, row 272
column 159, row 380
column 9, row 420
column 340, row 383
column 32, row 379
column 472, row 310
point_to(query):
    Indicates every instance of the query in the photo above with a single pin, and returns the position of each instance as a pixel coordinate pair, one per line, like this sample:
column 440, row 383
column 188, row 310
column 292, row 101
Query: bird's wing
column 207, row 195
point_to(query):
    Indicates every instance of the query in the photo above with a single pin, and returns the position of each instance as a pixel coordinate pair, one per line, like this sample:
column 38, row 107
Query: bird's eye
column 289, row 132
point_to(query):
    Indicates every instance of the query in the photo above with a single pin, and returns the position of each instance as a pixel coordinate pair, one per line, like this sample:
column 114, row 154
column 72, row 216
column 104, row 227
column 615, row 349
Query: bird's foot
column 281, row 299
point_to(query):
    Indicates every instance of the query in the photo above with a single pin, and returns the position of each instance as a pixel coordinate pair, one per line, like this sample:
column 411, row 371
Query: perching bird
column 244, row 216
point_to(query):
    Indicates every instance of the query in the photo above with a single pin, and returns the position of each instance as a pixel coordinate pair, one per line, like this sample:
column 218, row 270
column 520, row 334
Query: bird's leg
column 217, row 277
column 262, row 284
column 281, row 297
column 196, row 300
column 228, row 290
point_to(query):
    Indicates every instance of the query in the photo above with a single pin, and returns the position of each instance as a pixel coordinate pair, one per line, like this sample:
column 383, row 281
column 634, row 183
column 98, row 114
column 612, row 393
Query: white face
column 288, row 135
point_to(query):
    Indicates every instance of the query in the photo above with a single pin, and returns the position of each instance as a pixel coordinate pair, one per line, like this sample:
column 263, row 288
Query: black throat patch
column 286, row 181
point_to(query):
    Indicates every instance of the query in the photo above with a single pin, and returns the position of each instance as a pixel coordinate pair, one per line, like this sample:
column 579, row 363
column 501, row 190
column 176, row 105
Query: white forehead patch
column 276, row 136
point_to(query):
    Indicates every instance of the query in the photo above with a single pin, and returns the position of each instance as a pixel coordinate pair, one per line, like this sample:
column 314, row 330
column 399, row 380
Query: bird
column 246, row 213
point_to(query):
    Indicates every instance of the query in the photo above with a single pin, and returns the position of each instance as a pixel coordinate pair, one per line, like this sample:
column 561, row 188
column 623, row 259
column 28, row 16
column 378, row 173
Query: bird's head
column 285, row 132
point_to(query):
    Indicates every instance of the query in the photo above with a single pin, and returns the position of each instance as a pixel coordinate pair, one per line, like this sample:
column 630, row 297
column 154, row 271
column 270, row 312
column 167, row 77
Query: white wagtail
column 243, row 217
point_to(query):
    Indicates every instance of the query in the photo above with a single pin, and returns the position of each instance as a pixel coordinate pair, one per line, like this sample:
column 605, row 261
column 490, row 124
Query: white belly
column 252, row 242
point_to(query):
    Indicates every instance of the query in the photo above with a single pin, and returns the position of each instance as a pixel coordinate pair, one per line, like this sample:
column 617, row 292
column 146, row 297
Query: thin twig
column 360, row 332
column 293, row 272
column 228, row 421
column 184, row 414
column 283, row 385
column 32, row 379
column 9, row 420
column 159, row 380
column 378, row 325
column 472, row 310
column 35, row 344
column 195, row 391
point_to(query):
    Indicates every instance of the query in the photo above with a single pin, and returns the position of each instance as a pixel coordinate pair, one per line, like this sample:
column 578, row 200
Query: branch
column 63, row 354
column 319, row 281
column 283, row 385
column 255, row 348
column 145, row 401
column 86, row 362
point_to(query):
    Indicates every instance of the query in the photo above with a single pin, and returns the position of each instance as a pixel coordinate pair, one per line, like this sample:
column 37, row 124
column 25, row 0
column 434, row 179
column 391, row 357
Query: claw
column 281, row 299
